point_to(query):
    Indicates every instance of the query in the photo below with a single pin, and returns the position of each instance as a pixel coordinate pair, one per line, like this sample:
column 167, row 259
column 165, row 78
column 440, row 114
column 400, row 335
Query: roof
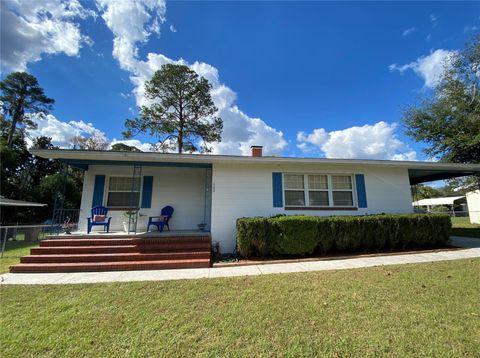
column 12, row 202
column 437, row 201
column 419, row 172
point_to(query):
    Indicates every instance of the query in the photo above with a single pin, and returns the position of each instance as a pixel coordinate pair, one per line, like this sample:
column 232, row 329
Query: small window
column 294, row 181
column 318, row 198
column 342, row 190
column 342, row 198
column 294, row 190
column 342, row 182
column 295, row 198
column 123, row 192
column 317, row 182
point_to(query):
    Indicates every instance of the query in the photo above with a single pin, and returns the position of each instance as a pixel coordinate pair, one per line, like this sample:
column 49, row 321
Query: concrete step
column 109, row 266
column 115, row 257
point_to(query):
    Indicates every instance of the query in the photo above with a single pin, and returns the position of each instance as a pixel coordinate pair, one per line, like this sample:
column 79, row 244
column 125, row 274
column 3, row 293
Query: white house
column 473, row 202
column 218, row 189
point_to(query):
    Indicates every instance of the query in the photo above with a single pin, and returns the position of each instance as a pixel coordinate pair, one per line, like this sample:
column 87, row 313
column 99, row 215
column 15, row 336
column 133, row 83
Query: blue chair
column 162, row 220
column 99, row 210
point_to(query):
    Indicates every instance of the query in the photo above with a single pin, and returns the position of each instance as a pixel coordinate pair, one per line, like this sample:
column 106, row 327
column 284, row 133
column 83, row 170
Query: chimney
column 256, row 150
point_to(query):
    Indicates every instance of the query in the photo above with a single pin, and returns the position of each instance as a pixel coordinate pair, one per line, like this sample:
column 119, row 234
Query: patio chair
column 99, row 218
column 162, row 220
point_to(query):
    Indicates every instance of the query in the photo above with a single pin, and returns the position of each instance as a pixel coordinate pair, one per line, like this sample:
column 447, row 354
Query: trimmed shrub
column 294, row 235
column 305, row 235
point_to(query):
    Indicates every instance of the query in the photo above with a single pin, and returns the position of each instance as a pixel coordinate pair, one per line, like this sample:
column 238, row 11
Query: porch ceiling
column 418, row 176
column 84, row 164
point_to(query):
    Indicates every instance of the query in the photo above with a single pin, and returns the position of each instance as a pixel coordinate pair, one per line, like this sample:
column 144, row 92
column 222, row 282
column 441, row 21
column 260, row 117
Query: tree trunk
column 180, row 141
column 11, row 132
column 17, row 114
column 180, row 130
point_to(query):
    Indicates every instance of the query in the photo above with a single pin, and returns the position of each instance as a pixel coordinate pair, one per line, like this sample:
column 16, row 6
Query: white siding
column 182, row 188
column 246, row 190
column 473, row 203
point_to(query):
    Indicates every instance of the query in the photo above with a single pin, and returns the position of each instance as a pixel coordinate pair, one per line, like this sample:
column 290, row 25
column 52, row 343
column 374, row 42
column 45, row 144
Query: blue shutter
column 361, row 193
column 277, row 190
column 147, row 192
column 98, row 190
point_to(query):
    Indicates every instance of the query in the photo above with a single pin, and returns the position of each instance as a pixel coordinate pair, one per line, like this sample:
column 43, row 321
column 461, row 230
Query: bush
column 305, row 235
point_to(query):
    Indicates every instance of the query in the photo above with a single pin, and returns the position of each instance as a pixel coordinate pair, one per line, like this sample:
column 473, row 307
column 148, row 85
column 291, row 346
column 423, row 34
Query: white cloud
column 130, row 23
column 470, row 28
column 377, row 141
column 433, row 19
column 61, row 132
column 30, row 29
column 430, row 67
column 172, row 28
column 408, row 31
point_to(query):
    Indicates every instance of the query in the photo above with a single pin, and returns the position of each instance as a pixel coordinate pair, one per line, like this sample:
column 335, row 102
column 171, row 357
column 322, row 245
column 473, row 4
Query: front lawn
column 411, row 310
column 463, row 227
column 13, row 251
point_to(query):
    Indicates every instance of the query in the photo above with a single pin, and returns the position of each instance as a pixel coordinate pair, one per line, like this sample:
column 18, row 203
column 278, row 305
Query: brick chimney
column 256, row 150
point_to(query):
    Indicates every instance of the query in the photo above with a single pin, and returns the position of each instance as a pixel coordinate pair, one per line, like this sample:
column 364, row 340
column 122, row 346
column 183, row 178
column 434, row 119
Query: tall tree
column 41, row 167
column 180, row 113
column 449, row 121
column 22, row 95
column 122, row 147
column 93, row 142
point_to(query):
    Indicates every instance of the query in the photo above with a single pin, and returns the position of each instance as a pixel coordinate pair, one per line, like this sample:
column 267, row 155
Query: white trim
column 211, row 159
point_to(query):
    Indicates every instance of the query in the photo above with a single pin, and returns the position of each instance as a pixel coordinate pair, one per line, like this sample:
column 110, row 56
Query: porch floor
column 123, row 234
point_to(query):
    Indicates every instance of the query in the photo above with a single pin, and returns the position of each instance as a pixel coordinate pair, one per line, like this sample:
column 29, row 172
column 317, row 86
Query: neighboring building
column 457, row 205
column 218, row 189
column 473, row 202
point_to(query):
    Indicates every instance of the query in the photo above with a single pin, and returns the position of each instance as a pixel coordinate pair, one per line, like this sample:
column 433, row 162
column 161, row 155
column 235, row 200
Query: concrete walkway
column 471, row 250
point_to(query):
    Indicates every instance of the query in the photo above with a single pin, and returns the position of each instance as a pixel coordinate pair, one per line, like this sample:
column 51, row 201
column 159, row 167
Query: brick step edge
column 105, row 236
column 159, row 248
column 115, row 257
column 109, row 266
column 124, row 241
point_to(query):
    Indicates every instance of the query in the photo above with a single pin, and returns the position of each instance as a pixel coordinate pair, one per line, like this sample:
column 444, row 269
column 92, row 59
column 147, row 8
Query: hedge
column 305, row 235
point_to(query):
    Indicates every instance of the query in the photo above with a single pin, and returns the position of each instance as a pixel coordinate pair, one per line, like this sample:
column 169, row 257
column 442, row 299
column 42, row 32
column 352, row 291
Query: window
column 342, row 190
column 121, row 191
column 294, row 190
column 313, row 190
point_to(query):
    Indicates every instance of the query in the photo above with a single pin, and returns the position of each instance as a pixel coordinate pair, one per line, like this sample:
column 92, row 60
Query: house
column 456, row 205
column 215, row 190
column 473, row 202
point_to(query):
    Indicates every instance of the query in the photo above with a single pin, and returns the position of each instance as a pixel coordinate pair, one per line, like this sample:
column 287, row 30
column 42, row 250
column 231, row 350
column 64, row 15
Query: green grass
column 13, row 251
column 410, row 310
column 463, row 227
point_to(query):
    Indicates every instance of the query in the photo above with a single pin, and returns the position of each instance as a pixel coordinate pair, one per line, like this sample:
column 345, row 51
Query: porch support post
column 134, row 201
column 59, row 200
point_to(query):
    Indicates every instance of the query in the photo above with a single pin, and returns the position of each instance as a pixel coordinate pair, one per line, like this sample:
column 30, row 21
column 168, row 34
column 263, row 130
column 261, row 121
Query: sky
column 310, row 79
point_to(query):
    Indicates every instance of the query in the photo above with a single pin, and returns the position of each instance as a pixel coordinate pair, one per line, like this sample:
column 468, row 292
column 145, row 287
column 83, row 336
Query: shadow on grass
column 466, row 232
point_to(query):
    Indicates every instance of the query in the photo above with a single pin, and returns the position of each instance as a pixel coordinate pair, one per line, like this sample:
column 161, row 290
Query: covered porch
column 134, row 192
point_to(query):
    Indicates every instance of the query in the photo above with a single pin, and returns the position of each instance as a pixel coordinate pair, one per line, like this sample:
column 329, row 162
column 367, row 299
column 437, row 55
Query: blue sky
column 297, row 78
